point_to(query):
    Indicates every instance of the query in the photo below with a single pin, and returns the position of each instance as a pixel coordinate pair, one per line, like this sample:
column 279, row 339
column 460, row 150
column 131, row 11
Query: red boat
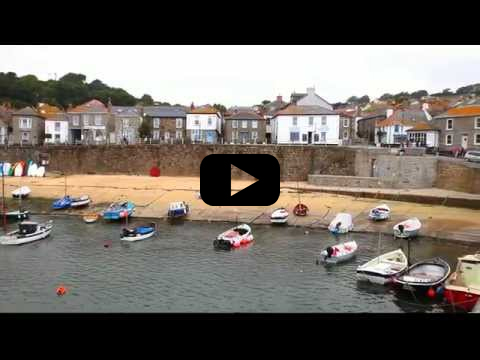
column 462, row 288
column 300, row 210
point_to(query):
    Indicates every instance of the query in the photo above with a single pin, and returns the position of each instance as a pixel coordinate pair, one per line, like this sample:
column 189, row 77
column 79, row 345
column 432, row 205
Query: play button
column 259, row 176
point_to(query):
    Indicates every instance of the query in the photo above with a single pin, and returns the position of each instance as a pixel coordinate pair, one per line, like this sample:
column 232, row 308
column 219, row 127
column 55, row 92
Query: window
column 57, row 126
column 178, row 134
column 346, row 122
column 310, row 120
column 167, row 136
column 420, row 138
column 449, row 124
column 124, row 122
column 345, row 134
column 234, row 124
column 294, row 136
column 179, row 122
column 254, row 135
column 98, row 120
column 323, row 137
column 324, row 120
column 244, row 124
column 25, row 136
column 76, row 120
column 316, row 137
column 294, row 121
column 210, row 121
column 477, row 139
column 86, row 121
column 156, row 123
column 254, row 124
column 25, row 123
column 304, row 137
column 156, row 134
column 477, row 123
column 448, row 140
column 196, row 121
column 57, row 137
column 397, row 128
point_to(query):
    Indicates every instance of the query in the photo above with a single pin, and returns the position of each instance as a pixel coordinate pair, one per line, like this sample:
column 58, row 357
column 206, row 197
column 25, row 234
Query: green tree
column 145, row 129
column 146, row 100
column 419, row 94
column 352, row 100
column 222, row 109
column 365, row 99
column 265, row 102
column 386, row 97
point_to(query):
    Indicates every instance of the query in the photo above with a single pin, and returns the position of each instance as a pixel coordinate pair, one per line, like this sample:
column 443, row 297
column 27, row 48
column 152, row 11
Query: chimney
column 389, row 112
column 279, row 98
column 192, row 106
column 311, row 91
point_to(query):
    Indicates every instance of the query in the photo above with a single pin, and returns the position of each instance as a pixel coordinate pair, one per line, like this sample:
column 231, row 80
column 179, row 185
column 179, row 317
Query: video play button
column 261, row 170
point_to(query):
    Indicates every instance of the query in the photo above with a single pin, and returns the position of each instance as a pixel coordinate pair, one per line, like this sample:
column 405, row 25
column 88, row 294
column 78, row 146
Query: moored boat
column 138, row 233
column 16, row 215
column 383, row 268
column 339, row 253
column 21, row 192
column 462, row 288
column 119, row 210
column 178, row 209
column 81, row 201
column 63, row 203
column 234, row 237
column 341, row 224
column 381, row 212
column 300, row 210
column 279, row 216
column 90, row 218
column 27, row 232
column 407, row 229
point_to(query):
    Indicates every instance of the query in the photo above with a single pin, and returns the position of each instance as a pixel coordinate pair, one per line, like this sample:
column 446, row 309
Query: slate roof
column 305, row 110
column 164, row 111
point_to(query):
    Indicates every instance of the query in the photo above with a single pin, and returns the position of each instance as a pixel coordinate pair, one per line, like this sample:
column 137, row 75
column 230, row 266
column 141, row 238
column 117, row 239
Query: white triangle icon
column 249, row 181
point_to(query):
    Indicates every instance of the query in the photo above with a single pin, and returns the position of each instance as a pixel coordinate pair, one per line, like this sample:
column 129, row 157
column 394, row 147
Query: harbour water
column 179, row 271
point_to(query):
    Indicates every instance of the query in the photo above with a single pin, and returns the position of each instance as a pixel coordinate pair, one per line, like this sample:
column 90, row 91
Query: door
column 465, row 141
column 309, row 137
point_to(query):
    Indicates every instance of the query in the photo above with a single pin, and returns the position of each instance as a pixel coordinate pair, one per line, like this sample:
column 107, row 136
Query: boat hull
column 13, row 240
column 374, row 278
column 137, row 237
column 279, row 220
column 464, row 300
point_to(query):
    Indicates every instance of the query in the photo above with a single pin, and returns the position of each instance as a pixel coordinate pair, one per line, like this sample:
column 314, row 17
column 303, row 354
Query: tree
column 365, row 99
column 265, row 102
column 419, row 94
column 446, row 92
column 146, row 100
column 352, row 100
column 145, row 129
column 222, row 109
column 386, row 97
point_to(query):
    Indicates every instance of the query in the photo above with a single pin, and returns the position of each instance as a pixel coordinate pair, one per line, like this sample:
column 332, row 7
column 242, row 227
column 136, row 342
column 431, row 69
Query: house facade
column 168, row 123
column 204, row 125
column 126, row 120
column 459, row 126
column 346, row 133
column 89, row 123
column 56, row 129
column 270, row 110
column 424, row 135
column 244, row 127
column 305, row 125
column 28, row 127
column 5, row 122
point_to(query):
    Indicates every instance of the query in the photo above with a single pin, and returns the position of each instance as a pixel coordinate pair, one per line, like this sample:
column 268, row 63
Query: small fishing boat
column 21, row 192
column 90, row 218
column 300, row 210
column 81, row 201
column 462, row 288
column 63, row 203
column 139, row 232
column 407, row 229
column 27, row 232
column 341, row 224
column 383, row 268
column 279, row 216
column 119, row 210
column 178, row 209
column 381, row 212
column 234, row 237
column 16, row 215
column 18, row 171
column 424, row 275
column 339, row 253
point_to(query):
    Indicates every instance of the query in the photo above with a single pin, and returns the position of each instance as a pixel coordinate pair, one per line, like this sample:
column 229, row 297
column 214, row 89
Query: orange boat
column 300, row 209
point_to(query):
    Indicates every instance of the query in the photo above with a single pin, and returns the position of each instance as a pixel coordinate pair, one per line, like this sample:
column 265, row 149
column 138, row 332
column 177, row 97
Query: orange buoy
column 61, row 290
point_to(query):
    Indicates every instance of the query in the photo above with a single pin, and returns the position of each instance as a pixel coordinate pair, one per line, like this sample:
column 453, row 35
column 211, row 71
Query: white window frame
column 346, row 122
column 323, row 136
column 178, row 134
column 324, row 120
column 156, row 134
column 76, row 120
column 446, row 125
column 179, row 123
column 125, row 122
column 244, row 124
column 477, row 123
column 310, row 121
column 156, row 123
column 167, row 135
column 98, row 120
column 446, row 139
column 396, row 129
column 210, row 121
column 304, row 137
column 86, row 120
column 59, row 126
column 28, row 124
column 317, row 136
column 254, row 124
column 294, row 121
column 475, row 138
column 234, row 124
column 254, row 135
column 196, row 121
column 345, row 134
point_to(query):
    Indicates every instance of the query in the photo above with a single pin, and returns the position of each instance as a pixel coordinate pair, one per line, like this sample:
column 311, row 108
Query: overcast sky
column 246, row 75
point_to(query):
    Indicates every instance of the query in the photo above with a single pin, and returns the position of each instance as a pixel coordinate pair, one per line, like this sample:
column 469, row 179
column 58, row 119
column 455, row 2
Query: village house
column 347, row 125
column 366, row 125
column 244, row 127
column 424, row 134
column 459, row 126
column 204, row 125
column 56, row 124
column 5, row 123
column 305, row 125
column 28, row 127
column 126, row 120
column 270, row 109
column 168, row 123
column 89, row 123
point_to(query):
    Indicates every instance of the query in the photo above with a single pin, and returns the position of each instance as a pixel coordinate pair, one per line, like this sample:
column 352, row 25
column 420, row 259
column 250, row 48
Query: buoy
column 431, row 292
column 61, row 290
column 440, row 290
column 154, row 171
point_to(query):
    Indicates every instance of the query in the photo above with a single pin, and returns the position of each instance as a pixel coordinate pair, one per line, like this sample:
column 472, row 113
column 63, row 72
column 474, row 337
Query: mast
column 3, row 202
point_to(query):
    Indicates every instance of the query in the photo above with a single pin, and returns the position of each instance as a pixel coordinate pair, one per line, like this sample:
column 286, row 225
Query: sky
column 246, row 75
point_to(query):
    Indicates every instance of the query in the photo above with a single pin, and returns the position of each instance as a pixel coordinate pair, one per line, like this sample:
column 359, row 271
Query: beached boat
column 63, row 203
column 279, row 216
column 234, row 237
column 16, row 215
column 21, row 192
column 138, row 233
column 81, row 201
column 339, row 253
column 341, row 224
column 383, row 268
column 119, row 210
column 381, row 212
column 27, row 232
column 90, row 218
column 462, row 288
column 300, row 210
column 178, row 209
column 407, row 229
column 424, row 275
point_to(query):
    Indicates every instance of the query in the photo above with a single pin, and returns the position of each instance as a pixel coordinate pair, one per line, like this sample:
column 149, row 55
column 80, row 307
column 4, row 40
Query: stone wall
column 349, row 181
column 458, row 176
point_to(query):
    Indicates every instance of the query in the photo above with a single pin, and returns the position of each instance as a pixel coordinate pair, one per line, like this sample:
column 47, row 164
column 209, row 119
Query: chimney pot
column 279, row 98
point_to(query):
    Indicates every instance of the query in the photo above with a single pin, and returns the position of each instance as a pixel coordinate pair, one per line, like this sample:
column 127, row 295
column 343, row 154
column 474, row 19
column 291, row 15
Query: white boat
column 341, row 224
column 381, row 212
column 339, row 253
column 18, row 171
column 27, row 232
column 32, row 170
column 6, row 168
column 279, row 216
column 383, row 268
column 138, row 233
column 407, row 229
column 83, row 200
column 234, row 237
column 21, row 192
column 40, row 172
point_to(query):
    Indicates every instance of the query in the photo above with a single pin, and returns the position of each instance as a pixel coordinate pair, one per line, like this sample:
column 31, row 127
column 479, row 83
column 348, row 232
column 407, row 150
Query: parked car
column 473, row 156
column 455, row 150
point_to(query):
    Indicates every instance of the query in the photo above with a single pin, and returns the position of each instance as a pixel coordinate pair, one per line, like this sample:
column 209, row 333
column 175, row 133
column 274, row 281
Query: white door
column 465, row 141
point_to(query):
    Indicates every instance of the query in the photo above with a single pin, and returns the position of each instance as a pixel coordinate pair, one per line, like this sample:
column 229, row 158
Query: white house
column 305, row 125
column 204, row 125
column 56, row 129
column 424, row 134
column 393, row 129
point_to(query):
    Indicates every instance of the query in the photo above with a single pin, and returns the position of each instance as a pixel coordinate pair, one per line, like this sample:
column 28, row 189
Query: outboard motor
column 329, row 252
column 401, row 228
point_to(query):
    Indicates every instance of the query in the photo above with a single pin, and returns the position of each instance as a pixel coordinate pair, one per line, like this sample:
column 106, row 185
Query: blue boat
column 119, row 210
column 178, row 209
column 63, row 203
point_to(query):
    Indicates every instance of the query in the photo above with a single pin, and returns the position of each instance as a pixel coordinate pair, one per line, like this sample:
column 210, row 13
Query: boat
column 339, row 253
column 27, row 232
column 40, row 172
column 381, row 212
column 234, row 238
column 119, row 210
column 90, row 218
column 279, row 216
column 462, row 288
column 83, row 200
column 18, row 171
column 407, row 229
column 63, row 203
column 139, row 232
column 300, row 210
column 16, row 215
column 32, row 169
column 21, row 192
column 178, row 209
column 6, row 168
column 383, row 268
column 341, row 224
column 424, row 275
